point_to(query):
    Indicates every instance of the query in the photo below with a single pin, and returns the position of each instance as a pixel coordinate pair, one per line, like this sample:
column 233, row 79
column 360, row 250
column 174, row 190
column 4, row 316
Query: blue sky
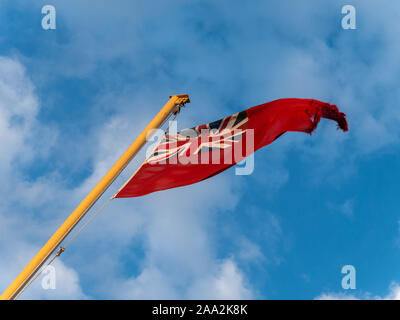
column 72, row 99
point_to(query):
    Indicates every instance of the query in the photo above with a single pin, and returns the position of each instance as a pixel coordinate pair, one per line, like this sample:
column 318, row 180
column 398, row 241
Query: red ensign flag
column 199, row 153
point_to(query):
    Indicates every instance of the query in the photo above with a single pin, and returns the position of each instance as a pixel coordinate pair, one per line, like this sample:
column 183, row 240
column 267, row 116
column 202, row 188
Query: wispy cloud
column 393, row 294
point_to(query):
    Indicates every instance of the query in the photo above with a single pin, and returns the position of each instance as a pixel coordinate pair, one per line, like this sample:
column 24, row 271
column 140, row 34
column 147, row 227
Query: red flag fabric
column 199, row 153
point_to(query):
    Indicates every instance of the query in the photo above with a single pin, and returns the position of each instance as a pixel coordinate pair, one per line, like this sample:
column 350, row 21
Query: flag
column 199, row 153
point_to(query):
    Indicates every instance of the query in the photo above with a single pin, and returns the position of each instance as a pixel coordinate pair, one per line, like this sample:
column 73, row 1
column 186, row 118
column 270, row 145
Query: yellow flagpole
column 23, row 278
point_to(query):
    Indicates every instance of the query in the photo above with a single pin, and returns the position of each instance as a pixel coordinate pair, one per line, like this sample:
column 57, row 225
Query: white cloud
column 393, row 294
column 336, row 296
column 227, row 283
column 150, row 284
column 222, row 281
column 18, row 108
column 67, row 285
column 19, row 129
